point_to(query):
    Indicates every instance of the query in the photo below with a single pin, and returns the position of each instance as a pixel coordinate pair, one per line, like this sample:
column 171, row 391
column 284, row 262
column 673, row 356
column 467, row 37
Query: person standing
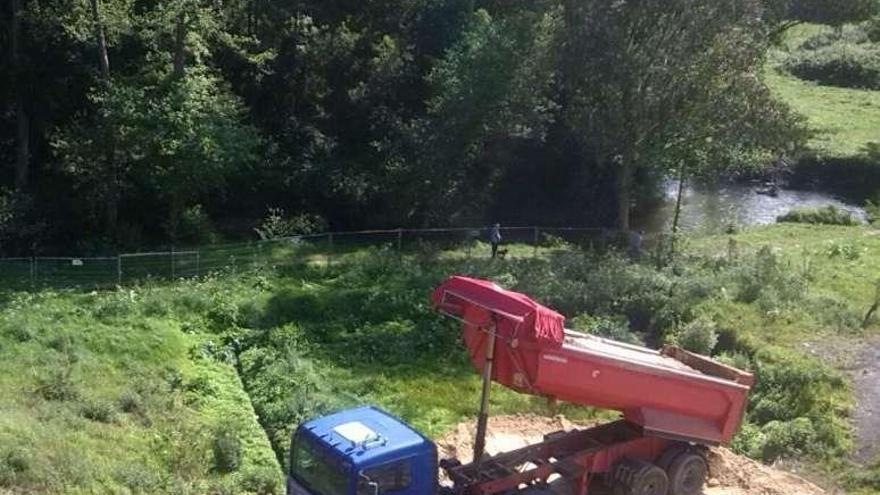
column 636, row 238
column 495, row 238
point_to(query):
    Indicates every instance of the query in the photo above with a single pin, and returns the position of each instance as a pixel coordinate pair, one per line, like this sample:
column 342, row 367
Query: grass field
column 844, row 121
column 153, row 389
column 105, row 393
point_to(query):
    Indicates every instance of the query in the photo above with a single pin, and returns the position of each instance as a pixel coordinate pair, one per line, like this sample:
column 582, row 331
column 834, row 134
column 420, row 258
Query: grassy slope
column 103, row 393
column 840, row 262
column 845, row 121
column 311, row 338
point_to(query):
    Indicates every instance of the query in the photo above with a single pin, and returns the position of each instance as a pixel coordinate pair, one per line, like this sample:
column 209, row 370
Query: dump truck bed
column 619, row 350
column 670, row 393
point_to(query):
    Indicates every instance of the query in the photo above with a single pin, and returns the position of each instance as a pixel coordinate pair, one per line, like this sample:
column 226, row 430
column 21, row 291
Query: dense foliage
column 847, row 58
column 127, row 122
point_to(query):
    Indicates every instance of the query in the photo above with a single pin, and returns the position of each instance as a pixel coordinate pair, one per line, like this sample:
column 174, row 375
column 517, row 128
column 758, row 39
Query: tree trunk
column 23, row 153
column 23, row 127
column 180, row 46
column 682, row 175
column 103, row 58
column 624, row 193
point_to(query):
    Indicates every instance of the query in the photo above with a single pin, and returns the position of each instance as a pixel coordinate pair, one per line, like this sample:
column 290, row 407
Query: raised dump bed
column 670, row 393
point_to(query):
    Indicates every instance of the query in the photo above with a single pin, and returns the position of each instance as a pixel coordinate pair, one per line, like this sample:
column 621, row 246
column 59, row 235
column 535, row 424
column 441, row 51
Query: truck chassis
column 618, row 454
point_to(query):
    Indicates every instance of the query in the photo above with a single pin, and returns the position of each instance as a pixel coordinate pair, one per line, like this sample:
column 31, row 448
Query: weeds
column 827, row 215
column 98, row 410
column 226, row 447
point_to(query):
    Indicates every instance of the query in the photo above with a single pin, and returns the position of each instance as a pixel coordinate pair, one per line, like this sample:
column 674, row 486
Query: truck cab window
column 390, row 478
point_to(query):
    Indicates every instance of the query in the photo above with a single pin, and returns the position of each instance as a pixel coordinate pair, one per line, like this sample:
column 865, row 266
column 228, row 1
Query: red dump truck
column 673, row 403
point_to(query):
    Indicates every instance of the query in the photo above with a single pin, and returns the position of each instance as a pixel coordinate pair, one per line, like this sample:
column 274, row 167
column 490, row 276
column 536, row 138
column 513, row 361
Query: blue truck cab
column 362, row 451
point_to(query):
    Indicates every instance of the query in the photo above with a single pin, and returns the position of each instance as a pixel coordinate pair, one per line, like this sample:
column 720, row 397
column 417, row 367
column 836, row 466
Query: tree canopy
column 120, row 116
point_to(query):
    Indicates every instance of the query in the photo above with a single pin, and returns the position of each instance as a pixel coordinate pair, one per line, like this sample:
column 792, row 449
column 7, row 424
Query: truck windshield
column 318, row 472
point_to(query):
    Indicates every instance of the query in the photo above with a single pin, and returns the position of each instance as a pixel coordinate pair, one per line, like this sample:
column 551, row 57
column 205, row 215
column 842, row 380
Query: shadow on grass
column 855, row 179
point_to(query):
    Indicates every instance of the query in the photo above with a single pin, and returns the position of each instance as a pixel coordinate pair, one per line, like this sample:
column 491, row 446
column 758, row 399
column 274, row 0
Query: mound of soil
column 729, row 474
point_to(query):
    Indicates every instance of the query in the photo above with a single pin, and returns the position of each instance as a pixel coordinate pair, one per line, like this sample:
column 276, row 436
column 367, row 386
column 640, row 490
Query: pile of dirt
column 729, row 474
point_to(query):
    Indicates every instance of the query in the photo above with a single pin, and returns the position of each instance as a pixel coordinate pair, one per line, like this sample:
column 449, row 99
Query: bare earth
column 729, row 474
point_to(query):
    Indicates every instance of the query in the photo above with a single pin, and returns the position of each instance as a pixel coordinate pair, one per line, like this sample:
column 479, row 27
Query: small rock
column 712, row 482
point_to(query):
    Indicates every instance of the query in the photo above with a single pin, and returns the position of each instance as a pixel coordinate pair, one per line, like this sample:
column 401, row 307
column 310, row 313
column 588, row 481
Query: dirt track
column 729, row 474
column 866, row 376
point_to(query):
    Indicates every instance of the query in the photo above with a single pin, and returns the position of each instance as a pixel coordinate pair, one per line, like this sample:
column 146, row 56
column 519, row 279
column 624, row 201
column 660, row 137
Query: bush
column 195, row 227
column 698, row 336
column 227, row 449
column 609, row 328
column 14, row 464
column 766, row 276
column 131, row 402
column 98, row 410
column 828, row 215
column 788, row 439
column 844, row 65
column 58, row 386
column 262, row 482
column 278, row 225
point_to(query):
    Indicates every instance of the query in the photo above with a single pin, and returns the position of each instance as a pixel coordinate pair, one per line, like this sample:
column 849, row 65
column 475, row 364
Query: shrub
column 788, row 439
column 766, row 275
column 277, row 225
column 610, row 328
column 98, row 410
column 698, row 336
column 195, row 227
column 830, row 37
column 131, row 402
column 739, row 360
column 872, row 209
column 14, row 464
column 828, row 215
column 262, row 482
column 844, row 65
column 58, row 386
column 227, row 449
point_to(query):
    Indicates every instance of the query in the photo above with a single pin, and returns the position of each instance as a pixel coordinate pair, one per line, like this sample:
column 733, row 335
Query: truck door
column 391, row 478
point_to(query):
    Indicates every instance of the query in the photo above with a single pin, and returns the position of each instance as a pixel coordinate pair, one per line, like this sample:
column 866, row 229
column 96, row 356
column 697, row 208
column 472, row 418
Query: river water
column 714, row 208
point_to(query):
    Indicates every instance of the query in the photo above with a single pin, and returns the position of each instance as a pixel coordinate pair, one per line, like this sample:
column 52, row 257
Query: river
column 714, row 208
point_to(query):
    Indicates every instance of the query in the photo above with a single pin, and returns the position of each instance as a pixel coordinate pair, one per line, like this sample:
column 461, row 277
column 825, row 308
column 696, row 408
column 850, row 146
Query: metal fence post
column 535, row 241
column 119, row 270
column 33, row 271
column 330, row 251
column 400, row 240
column 198, row 261
column 172, row 262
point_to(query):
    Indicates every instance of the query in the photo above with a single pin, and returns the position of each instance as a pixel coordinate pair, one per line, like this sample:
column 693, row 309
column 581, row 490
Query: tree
column 101, row 39
column 652, row 80
column 834, row 13
column 23, row 126
column 494, row 87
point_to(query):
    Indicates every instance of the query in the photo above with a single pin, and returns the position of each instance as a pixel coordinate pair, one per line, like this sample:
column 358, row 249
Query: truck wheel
column 687, row 474
column 633, row 477
column 669, row 455
column 651, row 480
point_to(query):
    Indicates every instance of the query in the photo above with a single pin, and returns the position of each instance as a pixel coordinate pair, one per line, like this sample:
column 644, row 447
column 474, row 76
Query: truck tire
column 668, row 456
column 687, row 474
column 632, row 477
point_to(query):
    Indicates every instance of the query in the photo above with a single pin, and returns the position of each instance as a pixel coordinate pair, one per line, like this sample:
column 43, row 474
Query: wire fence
column 131, row 268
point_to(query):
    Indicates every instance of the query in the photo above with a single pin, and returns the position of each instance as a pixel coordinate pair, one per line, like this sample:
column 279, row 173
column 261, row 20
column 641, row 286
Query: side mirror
column 373, row 486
